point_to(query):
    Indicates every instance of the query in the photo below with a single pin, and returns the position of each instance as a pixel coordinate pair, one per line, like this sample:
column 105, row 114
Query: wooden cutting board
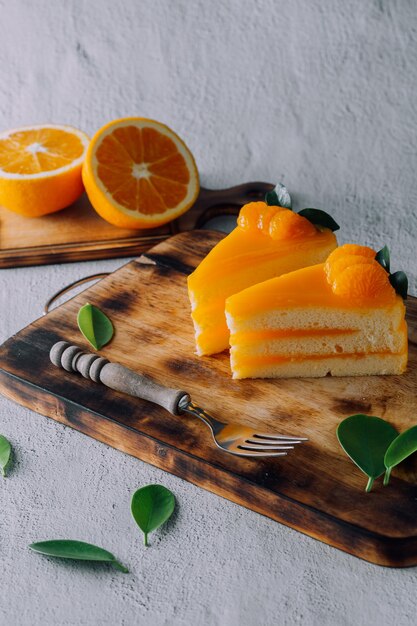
column 316, row 489
column 78, row 233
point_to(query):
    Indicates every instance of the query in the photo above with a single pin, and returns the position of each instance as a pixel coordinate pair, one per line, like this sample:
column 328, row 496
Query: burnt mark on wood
column 350, row 406
column 186, row 367
column 121, row 302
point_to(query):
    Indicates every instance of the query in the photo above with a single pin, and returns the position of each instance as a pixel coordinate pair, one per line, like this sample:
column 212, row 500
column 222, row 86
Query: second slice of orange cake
column 342, row 317
column 268, row 241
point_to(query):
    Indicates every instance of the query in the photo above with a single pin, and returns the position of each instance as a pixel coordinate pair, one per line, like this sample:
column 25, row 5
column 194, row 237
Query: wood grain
column 79, row 234
column 316, row 489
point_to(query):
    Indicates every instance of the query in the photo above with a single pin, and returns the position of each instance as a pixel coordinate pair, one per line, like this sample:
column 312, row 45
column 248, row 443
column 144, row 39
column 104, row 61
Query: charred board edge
column 374, row 548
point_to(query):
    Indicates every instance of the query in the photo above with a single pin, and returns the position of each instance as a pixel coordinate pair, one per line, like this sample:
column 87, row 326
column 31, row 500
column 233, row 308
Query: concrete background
column 318, row 94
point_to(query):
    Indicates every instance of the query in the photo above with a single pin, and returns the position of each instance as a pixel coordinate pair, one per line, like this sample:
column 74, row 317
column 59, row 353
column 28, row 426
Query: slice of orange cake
column 342, row 317
column 268, row 241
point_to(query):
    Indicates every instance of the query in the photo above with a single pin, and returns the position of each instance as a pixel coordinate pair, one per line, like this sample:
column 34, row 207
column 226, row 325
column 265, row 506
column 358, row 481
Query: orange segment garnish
column 335, row 268
column 40, row 168
column 353, row 273
column 139, row 174
column 257, row 216
column 276, row 221
column 288, row 225
column 363, row 281
column 351, row 249
column 347, row 251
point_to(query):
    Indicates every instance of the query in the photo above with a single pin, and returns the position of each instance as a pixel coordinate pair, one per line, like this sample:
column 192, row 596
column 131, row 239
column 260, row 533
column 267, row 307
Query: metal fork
column 233, row 438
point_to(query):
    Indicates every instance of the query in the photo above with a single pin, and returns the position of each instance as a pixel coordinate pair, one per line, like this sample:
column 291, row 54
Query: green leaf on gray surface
column 5, row 454
column 151, row 507
column 279, row 196
column 76, row 550
column 400, row 449
column 319, row 218
column 365, row 440
column 383, row 258
column 95, row 326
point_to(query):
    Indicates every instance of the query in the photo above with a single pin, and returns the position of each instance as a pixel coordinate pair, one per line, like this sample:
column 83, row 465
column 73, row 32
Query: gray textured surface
column 318, row 94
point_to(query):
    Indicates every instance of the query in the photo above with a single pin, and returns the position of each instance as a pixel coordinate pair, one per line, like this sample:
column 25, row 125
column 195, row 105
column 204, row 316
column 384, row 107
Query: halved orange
column 139, row 174
column 40, row 168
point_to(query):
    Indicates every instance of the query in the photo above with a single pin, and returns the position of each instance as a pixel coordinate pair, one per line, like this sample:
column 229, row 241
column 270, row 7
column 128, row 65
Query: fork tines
column 275, row 444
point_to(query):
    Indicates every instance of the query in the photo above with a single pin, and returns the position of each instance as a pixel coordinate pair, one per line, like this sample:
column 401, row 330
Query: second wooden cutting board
column 79, row 234
column 316, row 489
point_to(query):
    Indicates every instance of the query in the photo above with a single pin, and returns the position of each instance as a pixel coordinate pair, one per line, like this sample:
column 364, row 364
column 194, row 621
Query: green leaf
column 95, row 326
column 399, row 281
column 151, row 507
column 77, row 550
column 319, row 218
column 5, row 454
column 401, row 448
column 365, row 440
column 279, row 196
column 383, row 258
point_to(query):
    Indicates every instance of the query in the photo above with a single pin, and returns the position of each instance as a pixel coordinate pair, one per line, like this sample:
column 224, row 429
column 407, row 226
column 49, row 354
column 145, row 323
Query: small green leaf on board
column 279, row 196
column 399, row 281
column 319, row 218
column 383, row 258
column 78, row 551
column 5, row 454
column 95, row 326
column 151, row 507
column 365, row 439
column 400, row 449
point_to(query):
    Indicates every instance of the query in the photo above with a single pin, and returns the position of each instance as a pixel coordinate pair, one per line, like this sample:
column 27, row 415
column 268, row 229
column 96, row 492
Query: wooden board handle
column 72, row 359
column 215, row 202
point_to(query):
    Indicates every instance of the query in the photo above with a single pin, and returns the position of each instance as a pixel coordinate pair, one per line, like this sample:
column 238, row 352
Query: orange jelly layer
column 255, row 361
column 254, row 336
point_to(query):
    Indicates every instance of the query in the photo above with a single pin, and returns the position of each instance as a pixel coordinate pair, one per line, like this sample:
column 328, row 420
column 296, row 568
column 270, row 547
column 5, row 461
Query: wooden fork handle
column 72, row 359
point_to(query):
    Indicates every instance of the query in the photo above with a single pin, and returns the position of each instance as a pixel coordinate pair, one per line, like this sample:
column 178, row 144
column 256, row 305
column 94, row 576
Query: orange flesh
column 39, row 150
column 142, row 169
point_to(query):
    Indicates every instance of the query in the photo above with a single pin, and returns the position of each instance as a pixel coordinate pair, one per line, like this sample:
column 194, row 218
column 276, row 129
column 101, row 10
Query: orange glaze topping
column 277, row 222
column 310, row 287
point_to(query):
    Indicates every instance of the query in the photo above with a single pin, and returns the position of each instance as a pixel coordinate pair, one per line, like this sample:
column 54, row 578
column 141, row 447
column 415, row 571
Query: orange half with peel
column 40, row 168
column 139, row 174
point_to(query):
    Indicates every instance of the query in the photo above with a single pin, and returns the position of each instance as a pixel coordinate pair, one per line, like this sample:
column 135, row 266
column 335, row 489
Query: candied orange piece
column 363, row 281
column 334, row 269
column 351, row 249
column 348, row 250
column 249, row 215
column 257, row 216
column 289, row 225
